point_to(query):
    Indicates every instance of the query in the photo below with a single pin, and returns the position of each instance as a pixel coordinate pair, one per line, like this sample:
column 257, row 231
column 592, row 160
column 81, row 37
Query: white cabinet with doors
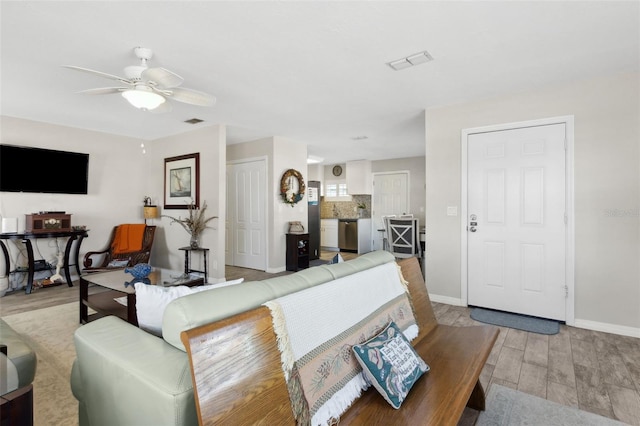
column 329, row 233
column 359, row 177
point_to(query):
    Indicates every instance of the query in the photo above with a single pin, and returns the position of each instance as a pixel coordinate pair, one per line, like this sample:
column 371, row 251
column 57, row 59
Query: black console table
column 26, row 238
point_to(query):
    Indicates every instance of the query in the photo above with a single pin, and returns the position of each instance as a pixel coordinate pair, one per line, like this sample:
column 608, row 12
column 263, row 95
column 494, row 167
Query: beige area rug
column 49, row 332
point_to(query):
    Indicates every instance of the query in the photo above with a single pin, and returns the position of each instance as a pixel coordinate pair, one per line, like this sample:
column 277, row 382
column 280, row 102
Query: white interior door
column 390, row 196
column 246, row 215
column 516, row 233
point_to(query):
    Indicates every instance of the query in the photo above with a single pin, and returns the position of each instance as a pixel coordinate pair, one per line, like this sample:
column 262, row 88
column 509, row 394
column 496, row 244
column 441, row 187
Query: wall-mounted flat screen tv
column 27, row 169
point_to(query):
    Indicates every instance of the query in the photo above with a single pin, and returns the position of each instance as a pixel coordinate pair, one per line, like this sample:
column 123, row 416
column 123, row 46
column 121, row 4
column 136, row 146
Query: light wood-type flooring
column 594, row 371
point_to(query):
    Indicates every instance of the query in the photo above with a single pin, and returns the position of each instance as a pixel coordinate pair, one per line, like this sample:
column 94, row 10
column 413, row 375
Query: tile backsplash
column 345, row 209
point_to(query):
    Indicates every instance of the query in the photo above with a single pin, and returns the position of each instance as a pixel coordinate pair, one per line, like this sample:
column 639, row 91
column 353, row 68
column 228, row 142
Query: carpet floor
column 49, row 332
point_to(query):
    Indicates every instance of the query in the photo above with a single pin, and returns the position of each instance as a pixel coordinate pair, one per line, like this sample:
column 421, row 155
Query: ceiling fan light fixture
column 148, row 89
column 143, row 99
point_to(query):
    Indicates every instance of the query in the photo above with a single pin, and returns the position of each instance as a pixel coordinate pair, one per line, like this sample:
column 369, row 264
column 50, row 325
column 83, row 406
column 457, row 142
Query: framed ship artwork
column 182, row 181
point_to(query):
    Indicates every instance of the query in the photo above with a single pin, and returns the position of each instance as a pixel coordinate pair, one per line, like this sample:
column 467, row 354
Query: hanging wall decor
column 292, row 187
column 182, row 181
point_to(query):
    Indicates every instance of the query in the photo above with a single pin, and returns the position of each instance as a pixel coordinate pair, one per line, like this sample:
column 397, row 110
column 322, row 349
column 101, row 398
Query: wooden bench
column 237, row 374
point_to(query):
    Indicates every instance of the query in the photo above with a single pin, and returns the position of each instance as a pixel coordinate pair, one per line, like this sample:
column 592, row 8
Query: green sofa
column 20, row 354
column 19, row 366
column 126, row 376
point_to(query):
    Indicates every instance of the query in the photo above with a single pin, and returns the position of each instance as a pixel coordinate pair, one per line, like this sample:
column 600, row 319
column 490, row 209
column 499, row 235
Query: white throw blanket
column 317, row 327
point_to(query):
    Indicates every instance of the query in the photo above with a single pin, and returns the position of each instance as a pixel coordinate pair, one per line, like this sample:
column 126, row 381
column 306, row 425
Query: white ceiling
column 312, row 72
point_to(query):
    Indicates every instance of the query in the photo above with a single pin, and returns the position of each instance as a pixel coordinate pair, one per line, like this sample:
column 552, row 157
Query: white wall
column 120, row 175
column 286, row 155
column 116, row 184
column 315, row 172
column 607, row 191
column 210, row 142
column 416, row 168
column 281, row 155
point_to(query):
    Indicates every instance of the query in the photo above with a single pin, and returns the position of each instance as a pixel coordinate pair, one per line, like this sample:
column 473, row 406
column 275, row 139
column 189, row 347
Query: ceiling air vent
column 410, row 61
column 193, row 121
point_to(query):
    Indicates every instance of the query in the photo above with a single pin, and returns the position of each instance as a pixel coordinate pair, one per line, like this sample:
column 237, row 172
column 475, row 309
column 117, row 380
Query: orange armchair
column 128, row 245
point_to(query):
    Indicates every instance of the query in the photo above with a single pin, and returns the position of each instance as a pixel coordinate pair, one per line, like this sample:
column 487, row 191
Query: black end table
column 187, row 260
column 297, row 252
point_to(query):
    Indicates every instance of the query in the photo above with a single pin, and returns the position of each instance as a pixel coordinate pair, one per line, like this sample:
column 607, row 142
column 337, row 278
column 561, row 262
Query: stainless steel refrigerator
column 313, row 197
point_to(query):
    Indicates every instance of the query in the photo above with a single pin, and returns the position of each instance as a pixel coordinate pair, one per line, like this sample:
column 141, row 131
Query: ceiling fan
column 148, row 88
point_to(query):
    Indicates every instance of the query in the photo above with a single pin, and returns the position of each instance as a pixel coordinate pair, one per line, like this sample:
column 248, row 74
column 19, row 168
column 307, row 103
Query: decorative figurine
column 139, row 271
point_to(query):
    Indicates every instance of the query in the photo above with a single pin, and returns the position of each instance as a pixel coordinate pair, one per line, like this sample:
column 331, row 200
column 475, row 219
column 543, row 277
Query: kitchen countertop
column 349, row 218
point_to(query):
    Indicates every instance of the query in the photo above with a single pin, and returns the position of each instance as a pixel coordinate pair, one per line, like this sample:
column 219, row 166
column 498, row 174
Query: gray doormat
column 509, row 407
column 517, row 321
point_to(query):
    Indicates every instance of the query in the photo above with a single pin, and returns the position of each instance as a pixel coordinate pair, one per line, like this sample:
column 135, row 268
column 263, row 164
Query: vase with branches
column 195, row 224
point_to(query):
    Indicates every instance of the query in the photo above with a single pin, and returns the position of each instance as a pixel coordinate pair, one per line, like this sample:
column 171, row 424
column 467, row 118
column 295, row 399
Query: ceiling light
column 143, row 98
column 411, row 60
column 312, row 159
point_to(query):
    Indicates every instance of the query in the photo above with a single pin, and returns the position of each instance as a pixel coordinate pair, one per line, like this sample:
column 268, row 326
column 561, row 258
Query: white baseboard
column 276, row 270
column 608, row 328
column 446, row 300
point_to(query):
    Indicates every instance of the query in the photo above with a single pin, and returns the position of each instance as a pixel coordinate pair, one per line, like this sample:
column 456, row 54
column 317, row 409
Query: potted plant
column 195, row 223
column 361, row 209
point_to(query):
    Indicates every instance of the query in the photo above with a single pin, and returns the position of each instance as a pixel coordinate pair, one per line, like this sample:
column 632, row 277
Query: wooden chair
column 403, row 236
column 114, row 259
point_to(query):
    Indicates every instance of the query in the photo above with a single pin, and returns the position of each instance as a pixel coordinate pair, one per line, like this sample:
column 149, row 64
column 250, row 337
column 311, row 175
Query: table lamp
column 150, row 212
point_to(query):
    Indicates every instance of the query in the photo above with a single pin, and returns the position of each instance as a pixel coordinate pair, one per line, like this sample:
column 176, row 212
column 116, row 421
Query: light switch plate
column 452, row 210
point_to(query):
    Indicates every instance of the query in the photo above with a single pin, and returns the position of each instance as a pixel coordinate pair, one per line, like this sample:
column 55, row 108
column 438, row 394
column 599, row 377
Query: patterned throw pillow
column 390, row 363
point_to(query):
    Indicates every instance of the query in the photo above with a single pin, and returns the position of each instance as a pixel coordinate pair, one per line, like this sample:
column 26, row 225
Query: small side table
column 297, row 252
column 187, row 260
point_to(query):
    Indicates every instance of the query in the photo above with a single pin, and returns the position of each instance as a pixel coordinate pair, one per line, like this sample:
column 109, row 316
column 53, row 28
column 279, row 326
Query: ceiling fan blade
column 193, row 97
column 103, row 90
column 162, row 108
column 100, row 73
column 162, row 78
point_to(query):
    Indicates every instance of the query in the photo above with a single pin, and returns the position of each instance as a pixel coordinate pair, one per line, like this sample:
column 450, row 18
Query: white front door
column 246, row 215
column 516, row 220
column 390, row 196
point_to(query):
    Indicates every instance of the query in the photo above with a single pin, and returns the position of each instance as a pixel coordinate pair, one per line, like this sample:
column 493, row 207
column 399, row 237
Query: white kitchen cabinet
column 364, row 236
column 329, row 233
column 359, row 177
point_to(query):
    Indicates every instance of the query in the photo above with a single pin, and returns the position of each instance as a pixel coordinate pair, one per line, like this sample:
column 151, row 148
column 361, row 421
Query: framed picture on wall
column 182, row 181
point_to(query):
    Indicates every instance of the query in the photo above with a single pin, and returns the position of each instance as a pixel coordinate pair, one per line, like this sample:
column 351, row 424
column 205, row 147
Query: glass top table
column 118, row 284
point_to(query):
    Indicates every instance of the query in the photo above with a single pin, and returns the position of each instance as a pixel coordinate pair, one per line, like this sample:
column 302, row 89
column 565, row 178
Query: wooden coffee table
column 104, row 302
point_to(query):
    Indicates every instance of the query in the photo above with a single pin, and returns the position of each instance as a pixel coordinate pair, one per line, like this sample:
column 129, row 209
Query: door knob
column 472, row 229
